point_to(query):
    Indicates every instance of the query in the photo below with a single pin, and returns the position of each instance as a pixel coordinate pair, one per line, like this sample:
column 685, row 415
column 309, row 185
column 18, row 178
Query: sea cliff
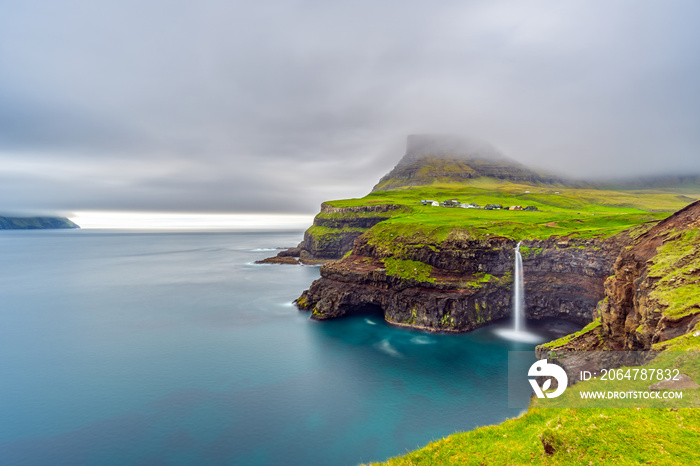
column 461, row 283
column 652, row 299
column 35, row 223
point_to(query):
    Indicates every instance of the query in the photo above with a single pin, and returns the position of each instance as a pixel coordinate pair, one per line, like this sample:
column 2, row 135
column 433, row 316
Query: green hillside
column 585, row 212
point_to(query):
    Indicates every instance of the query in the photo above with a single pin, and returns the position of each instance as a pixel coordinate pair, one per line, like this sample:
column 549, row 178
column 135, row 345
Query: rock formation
column 333, row 233
column 652, row 297
column 470, row 282
column 637, row 312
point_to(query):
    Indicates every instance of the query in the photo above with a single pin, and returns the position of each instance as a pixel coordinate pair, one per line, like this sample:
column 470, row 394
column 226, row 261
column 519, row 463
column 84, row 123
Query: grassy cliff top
column 561, row 211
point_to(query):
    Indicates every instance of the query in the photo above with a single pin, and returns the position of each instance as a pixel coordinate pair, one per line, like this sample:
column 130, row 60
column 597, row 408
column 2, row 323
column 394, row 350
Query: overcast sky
column 240, row 106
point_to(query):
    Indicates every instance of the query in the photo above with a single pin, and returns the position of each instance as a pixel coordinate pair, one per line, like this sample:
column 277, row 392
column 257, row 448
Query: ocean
column 174, row 348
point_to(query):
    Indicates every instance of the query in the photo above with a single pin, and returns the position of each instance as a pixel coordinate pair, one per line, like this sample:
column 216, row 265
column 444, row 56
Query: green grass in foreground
column 598, row 436
column 576, row 436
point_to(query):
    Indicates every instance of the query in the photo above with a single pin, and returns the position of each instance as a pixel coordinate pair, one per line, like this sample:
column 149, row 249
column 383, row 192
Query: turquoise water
column 174, row 348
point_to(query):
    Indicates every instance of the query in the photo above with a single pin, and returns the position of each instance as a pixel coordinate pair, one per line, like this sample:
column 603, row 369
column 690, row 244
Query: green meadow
column 596, row 436
column 561, row 211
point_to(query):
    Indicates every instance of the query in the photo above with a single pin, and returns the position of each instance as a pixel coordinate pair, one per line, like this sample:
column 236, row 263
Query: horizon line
column 141, row 220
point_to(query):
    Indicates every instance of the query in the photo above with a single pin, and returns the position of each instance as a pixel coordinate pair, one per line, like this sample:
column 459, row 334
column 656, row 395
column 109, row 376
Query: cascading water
column 517, row 332
column 518, row 292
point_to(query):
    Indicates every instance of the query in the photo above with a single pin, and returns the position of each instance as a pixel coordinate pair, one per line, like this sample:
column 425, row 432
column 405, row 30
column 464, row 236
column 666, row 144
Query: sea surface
column 174, row 348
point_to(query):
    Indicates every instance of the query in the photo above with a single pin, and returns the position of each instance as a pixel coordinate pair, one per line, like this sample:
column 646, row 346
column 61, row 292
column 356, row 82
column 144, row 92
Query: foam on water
column 422, row 340
column 518, row 335
column 385, row 346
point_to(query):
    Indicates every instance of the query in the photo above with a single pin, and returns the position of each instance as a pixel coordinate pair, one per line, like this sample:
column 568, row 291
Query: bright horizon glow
column 168, row 220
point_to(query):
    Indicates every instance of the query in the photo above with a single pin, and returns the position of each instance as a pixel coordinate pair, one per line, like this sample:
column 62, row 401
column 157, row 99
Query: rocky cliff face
column 335, row 229
column 467, row 283
column 333, row 233
column 654, row 294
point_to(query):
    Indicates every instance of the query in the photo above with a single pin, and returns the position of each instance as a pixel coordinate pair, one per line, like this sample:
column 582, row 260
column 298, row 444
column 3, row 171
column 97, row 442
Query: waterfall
column 518, row 332
column 518, row 292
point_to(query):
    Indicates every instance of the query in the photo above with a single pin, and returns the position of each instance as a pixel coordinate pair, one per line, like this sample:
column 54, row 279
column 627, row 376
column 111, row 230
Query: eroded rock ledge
column 333, row 233
column 469, row 284
column 652, row 297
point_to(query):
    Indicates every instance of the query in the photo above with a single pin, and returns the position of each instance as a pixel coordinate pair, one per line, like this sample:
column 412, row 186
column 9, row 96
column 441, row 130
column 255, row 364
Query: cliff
column 35, row 223
column 333, row 233
column 654, row 295
column 461, row 283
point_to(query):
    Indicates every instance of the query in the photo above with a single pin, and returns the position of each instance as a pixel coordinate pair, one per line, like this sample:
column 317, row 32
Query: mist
column 277, row 106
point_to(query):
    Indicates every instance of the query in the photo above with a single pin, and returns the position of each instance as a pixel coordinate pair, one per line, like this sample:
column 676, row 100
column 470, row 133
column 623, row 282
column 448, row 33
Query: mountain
column 449, row 159
column 35, row 223
column 440, row 167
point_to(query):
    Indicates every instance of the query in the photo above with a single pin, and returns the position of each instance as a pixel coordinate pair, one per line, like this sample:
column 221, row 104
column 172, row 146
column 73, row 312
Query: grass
column 687, row 342
column 326, row 235
column 586, row 213
column 351, row 214
column 566, row 339
column 492, row 191
column 575, row 436
column 408, row 269
column 677, row 264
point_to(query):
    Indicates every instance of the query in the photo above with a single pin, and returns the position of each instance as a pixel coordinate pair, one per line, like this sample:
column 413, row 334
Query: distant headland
column 35, row 223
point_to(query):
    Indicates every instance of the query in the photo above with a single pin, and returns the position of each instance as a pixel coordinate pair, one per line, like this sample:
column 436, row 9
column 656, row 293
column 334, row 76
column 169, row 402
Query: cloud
column 276, row 106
